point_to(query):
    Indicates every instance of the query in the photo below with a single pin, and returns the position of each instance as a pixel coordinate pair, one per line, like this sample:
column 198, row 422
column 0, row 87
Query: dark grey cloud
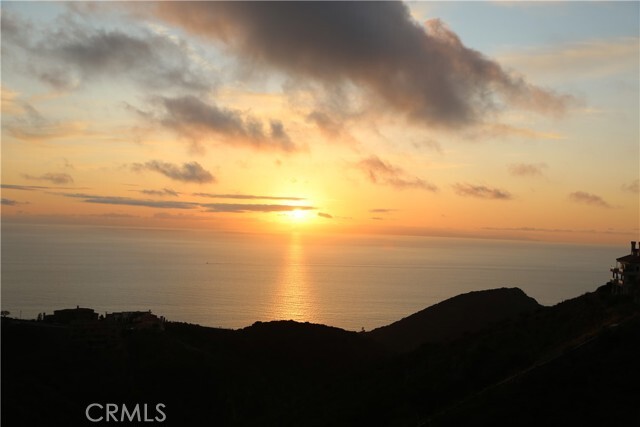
column 188, row 172
column 325, row 215
column 243, row 208
column 632, row 187
column 383, row 173
column 588, row 199
column 56, row 178
column 424, row 72
column 481, row 191
column 247, row 197
column 527, row 169
column 162, row 193
column 71, row 53
column 198, row 120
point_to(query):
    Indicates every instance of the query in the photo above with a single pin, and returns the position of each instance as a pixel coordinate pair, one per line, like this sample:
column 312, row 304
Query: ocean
column 232, row 280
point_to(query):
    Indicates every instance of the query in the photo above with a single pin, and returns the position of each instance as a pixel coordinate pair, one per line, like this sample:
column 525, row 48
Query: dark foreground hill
column 572, row 364
column 454, row 317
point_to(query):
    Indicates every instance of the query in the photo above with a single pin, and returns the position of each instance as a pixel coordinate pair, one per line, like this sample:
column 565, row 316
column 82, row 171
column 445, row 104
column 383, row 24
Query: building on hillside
column 136, row 320
column 626, row 273
column 72, row 315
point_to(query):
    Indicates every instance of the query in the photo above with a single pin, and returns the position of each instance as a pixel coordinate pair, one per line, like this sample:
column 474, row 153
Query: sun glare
column 298, row 215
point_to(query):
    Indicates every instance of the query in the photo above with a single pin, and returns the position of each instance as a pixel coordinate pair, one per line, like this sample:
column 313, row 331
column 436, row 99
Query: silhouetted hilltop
column 452, row 318
column 502, row 358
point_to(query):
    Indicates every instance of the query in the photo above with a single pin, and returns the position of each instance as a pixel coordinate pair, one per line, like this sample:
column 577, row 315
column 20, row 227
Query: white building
column 626, row 273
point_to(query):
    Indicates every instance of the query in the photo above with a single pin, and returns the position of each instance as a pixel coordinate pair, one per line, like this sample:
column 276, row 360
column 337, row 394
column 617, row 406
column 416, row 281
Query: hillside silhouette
column 452, row 318
column 498, row 358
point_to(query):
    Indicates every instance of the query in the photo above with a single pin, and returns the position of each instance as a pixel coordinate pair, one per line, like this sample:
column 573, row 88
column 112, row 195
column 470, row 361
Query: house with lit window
column 626, row 273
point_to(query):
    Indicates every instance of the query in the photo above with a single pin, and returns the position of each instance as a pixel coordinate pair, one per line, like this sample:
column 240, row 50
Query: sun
column 298, row 216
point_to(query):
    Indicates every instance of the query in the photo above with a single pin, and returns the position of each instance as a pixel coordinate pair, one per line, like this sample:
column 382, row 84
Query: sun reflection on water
column 292, row 297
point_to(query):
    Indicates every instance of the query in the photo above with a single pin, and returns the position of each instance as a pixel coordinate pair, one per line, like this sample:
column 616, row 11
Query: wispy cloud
column 247, row 197
column 126, row 201
column 325, row 215
column 36, row 187
column 586, row 59
column 481, row 191
column 26, row 123
column 243, row 208
column 382, row 210
column 115, row 215
column 588, row 199
column 501, row 130
column 632, row 187
column 531, row 229
column 188, row 172
column 162, row 193
column 165, row 204
column 423, row 72
column 384, row 173
column 557, row 230
column 527, row 169
column 56, row 178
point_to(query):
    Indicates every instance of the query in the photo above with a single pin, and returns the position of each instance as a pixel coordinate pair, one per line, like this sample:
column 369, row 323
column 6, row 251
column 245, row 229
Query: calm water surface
column 233, row 280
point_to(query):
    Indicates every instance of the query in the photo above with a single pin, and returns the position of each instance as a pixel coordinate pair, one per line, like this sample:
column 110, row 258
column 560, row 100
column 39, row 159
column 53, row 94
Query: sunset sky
column 488, row 119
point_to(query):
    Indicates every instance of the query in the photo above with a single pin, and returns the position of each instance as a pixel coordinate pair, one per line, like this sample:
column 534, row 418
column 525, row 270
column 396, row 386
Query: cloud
column 247, row 197
column 379, row 210
column 126, row 201
column 26, row 123
column 9, row 202
column 195, row 119
column 114, row 215
column 555, row 230
column 325, row 215
column 527, row 169
column 243, row 208
column 422, row 72
column 179, row 217
column 24, row 187
column 328, row 125
column 56, row 178
column 383, row 173
column 632, row 187
column 532, row 229
column 589, row 199
column 482, row 192
column 36, row 187
column 501, row 130
column 164, row 204
column 188, row 172
column 583, row 60
column 69, row 54
column 161, row 193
